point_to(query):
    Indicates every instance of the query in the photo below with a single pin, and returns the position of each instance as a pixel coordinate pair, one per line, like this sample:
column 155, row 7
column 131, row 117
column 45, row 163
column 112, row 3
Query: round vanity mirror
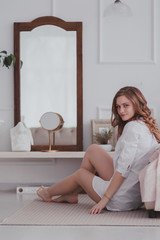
column 52, row 122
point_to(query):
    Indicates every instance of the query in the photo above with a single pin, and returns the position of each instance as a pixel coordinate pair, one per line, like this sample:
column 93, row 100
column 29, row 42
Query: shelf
column 43, row 154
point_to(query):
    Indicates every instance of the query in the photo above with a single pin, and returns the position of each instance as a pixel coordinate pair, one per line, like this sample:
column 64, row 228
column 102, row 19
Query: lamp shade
column 117, row 9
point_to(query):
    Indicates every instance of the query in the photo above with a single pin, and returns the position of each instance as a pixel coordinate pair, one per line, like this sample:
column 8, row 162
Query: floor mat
column 61, row 214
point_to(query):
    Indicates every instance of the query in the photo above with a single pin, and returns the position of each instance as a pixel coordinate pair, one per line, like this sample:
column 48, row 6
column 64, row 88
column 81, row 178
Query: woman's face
column 125, row 108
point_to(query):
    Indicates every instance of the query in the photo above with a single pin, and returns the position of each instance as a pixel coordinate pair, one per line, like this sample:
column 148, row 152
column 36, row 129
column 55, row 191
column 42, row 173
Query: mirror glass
column 51, row 121
column 50, row 79
column 49, row 70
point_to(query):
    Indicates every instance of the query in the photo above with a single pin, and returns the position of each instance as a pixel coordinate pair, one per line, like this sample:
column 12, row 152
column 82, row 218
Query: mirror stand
column 50, row 141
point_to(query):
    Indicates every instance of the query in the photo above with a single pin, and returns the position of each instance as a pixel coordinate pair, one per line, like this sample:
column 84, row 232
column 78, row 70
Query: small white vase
column 106, row 147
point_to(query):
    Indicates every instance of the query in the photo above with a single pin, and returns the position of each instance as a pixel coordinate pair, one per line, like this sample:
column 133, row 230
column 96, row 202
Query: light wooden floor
column 10, row 202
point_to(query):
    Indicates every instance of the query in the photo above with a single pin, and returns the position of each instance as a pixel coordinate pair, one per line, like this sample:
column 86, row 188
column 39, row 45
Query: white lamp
column 117, row 9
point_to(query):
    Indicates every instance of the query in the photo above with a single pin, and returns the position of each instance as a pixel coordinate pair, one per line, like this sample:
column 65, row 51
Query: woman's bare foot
column 67, row 198
column 43, row 193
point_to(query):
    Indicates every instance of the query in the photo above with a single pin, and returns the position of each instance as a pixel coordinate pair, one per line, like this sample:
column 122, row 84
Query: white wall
column 100, row 80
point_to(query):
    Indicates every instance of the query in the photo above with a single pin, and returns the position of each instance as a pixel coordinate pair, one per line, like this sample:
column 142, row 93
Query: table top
column 38, row 154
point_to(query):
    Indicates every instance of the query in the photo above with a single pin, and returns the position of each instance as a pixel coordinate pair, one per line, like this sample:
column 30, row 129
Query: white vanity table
column 41, row 155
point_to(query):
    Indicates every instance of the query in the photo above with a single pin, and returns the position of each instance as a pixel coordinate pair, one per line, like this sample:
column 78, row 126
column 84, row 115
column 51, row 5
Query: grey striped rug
column 61, row 214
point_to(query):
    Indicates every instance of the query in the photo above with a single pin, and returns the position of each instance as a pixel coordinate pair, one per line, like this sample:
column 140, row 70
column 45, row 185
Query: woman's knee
column 92, row 148
column 83, row 177
column 80, row 173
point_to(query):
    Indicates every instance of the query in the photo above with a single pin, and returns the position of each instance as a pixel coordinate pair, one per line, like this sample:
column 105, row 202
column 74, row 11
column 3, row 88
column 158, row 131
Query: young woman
column 117, row 185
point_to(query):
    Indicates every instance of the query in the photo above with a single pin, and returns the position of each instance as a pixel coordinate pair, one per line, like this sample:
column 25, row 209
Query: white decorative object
column 106, row 147
column 21, row 138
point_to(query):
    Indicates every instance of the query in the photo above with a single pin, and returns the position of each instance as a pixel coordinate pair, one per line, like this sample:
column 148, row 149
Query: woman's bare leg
column 95, row 160
column 67, row 187
column 81, row 178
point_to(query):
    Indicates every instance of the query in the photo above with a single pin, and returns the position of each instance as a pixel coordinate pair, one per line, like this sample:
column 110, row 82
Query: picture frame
column 97, row 125
column 103, row 112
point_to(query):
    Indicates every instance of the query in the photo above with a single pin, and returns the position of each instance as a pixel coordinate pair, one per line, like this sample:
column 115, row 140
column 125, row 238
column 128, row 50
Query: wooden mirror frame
column 68, row 26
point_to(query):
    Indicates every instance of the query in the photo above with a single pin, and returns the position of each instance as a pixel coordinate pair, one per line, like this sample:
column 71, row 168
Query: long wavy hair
column 142, row 112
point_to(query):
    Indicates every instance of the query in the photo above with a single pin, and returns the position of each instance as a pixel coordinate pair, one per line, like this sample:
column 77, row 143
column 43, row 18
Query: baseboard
column 26, row 187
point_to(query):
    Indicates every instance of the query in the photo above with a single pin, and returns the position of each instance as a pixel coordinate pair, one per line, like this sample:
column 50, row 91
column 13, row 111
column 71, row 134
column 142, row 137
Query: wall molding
column 103, row 58
column 53, row 8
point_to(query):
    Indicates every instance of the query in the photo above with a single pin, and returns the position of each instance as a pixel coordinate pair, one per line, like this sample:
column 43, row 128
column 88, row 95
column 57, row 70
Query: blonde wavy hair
column 142, row 112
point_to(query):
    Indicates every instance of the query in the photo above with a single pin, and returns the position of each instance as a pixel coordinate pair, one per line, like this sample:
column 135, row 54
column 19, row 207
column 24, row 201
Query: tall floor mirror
column 50, row 79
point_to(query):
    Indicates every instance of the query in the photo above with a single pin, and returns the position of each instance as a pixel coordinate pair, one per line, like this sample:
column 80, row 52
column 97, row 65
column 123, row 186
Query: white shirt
column 133, row 150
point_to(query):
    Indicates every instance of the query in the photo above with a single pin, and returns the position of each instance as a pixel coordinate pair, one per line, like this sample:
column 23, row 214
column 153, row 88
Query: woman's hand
column 96, row 209
column 116, row 182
